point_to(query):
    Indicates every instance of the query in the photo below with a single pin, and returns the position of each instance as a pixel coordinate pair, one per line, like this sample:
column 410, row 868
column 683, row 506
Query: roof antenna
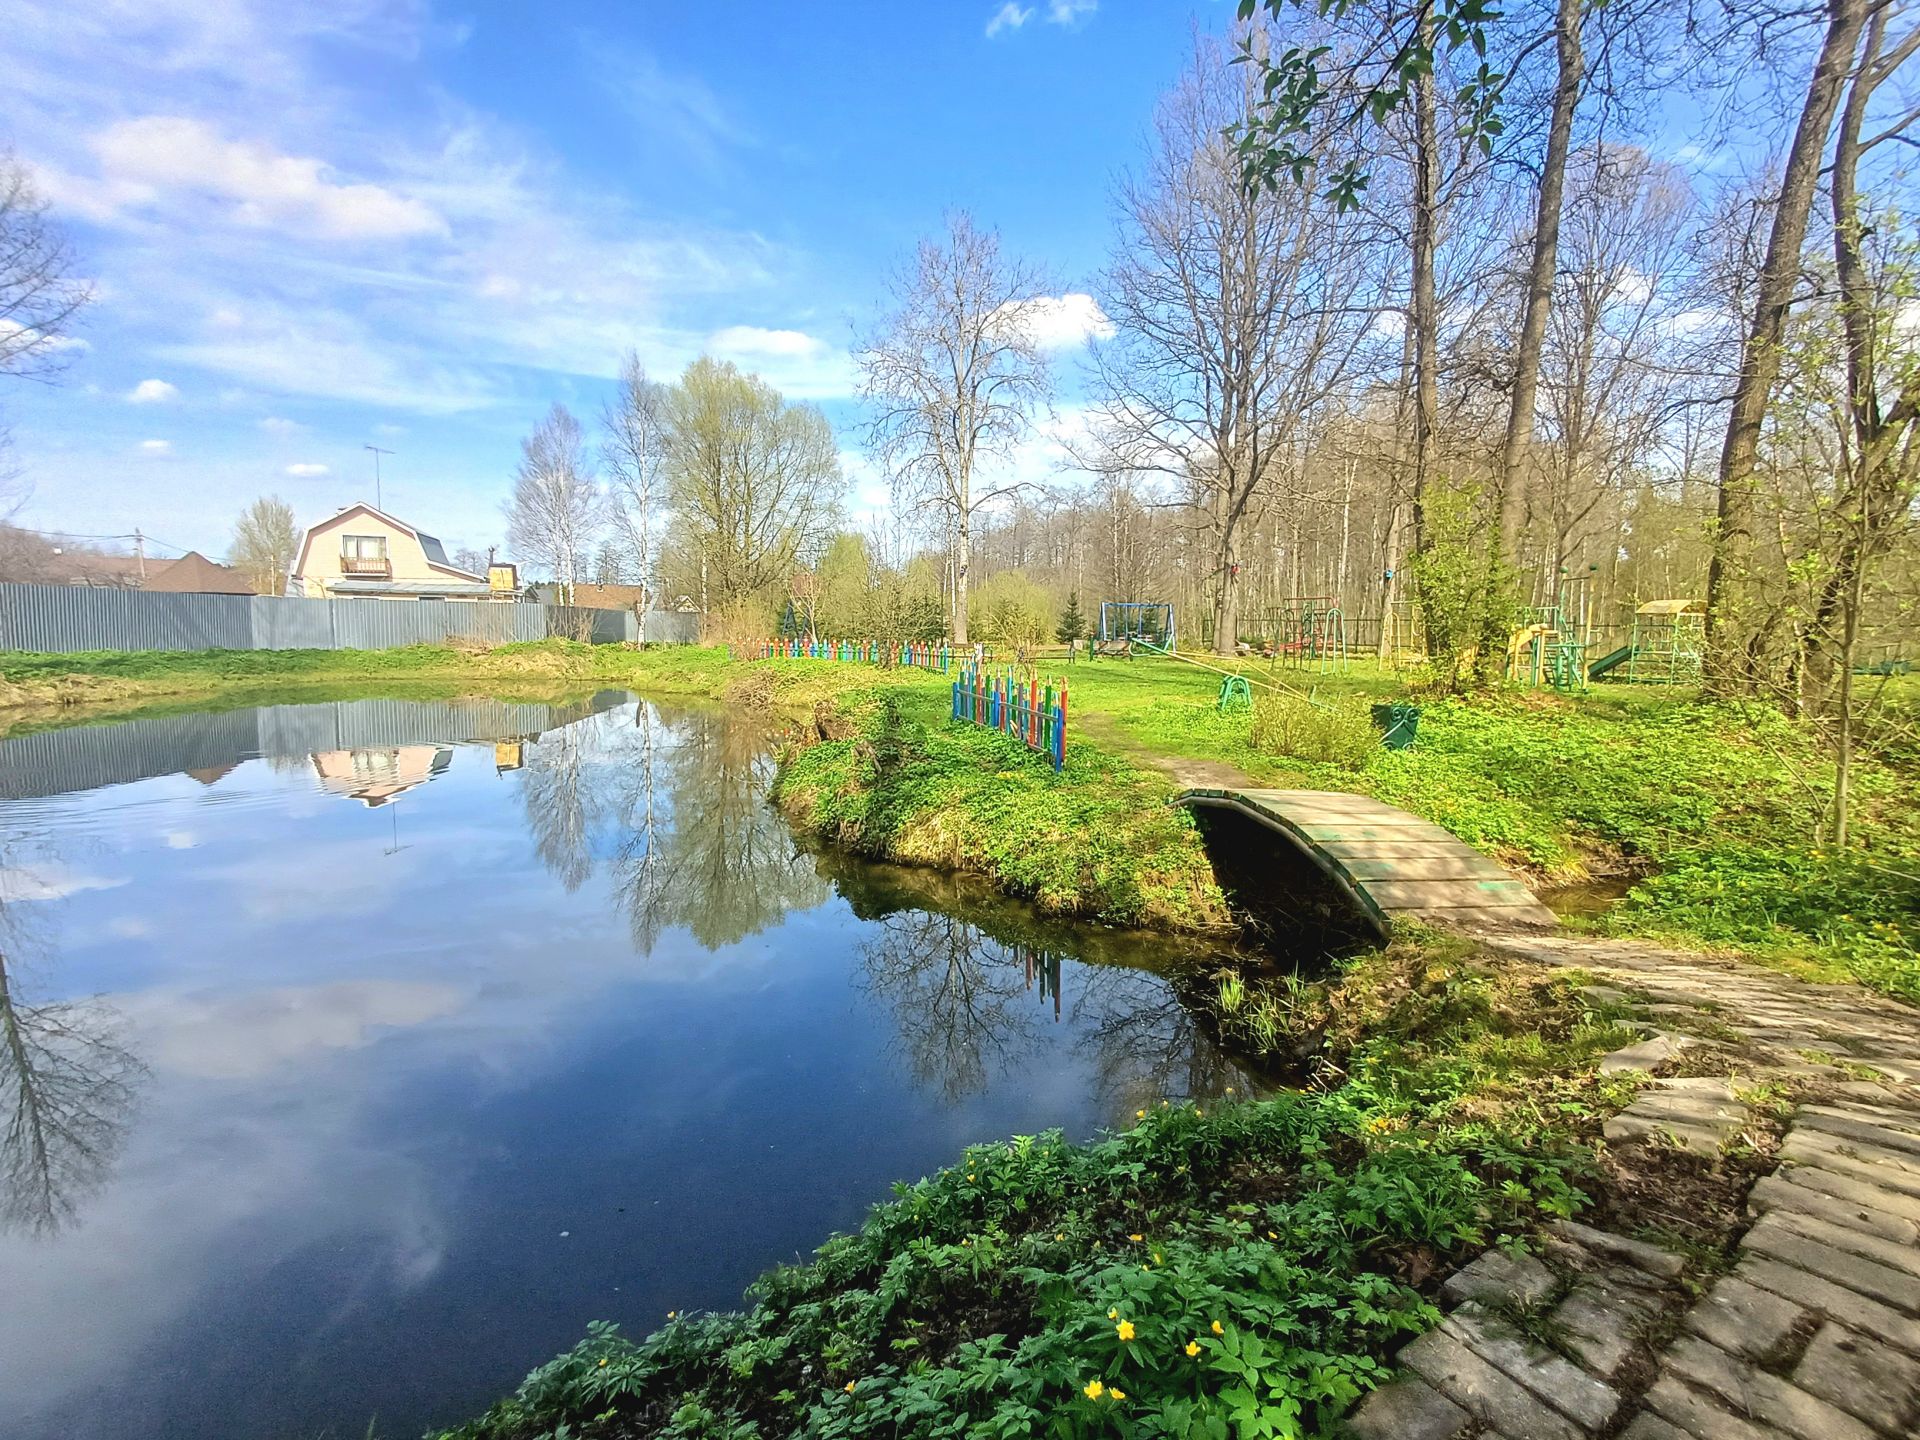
column 378, row 503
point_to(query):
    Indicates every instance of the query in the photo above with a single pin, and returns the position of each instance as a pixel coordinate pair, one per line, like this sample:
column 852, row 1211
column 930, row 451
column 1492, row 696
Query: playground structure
column 1664, row 648
column 1308, row 631
column 1125, row 624
column 1550, row 648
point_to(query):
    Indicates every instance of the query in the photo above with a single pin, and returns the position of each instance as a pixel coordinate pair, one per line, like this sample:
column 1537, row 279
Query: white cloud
column 14, row 335
column 306, row 470
column 1068, row 12
column 152, row 392
column 799, row 365
column 1059, row 322
column 144, row 162
column 49, row 880
column 157, row 447
column 282, row 427
column 389, row 430
column 1008, row 17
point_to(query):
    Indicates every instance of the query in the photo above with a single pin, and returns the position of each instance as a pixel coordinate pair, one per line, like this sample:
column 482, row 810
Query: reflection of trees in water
column 679, row 808
column 960, row 999
column 964, row 1002
column 67, row 1090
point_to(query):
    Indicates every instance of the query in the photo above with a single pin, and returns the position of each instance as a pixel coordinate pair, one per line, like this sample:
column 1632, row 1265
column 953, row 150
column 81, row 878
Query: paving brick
column 1772, row 1192
column 1649, row 1426
column 1641, row 1256
column 1498, row 1278
column 1884, row 1168
column 1408, row 1409
column 1699, row 1414
column 1750, row 1322
column 1588, row 1402
column 1864, row 1378
column 1601, row 1320
column 1857, row 1127
column 1857, row 1273
column 1890, row 1253
column 1818, row 1293
column 1850, row 1186
column 1480, row 1389
column 1648, row 1054
column 1752, row 1392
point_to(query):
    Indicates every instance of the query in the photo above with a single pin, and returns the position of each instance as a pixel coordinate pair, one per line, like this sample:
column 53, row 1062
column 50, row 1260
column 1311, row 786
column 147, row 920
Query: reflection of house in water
column 373, row 777
column 508, row 755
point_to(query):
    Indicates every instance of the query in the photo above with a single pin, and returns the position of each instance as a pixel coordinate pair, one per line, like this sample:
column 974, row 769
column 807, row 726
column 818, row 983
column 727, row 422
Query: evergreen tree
column 1073, row 625
column 791, row 625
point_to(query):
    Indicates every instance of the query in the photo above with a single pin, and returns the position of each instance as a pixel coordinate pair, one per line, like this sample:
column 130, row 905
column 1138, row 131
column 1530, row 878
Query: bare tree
column 1729, row 572
column 957, row 378
column 473, row 561
column 754, row 480
column 39, row 298
column 634, row 449
column 557, row 509
column 1235, row 315
column 264, row 539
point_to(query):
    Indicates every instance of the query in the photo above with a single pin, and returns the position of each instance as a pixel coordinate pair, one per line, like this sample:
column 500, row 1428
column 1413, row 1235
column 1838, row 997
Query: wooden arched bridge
column 1388, row 863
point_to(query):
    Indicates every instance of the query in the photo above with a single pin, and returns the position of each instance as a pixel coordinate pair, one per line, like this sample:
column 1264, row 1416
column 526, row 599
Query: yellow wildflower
column 1059, row 1234
column 1124, row 1329
column 1193, row 1348
column 1136, row 1238
column 1117, row 1393
column 1218, row 1328
column 1139, row 1114
column 603, row 1360
column 1094, row 1390
column 1158, row 1258
column 1113, row 1314
column 1272, row 1236
column 850, row 1385
column 969, row 1175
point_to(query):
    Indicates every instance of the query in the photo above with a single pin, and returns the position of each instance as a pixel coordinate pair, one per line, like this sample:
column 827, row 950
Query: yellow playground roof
column 1673, row 607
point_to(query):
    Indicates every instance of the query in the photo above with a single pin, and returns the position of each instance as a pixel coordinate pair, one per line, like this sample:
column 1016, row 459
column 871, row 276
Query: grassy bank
column 1242, row 1267
column 1708, row 815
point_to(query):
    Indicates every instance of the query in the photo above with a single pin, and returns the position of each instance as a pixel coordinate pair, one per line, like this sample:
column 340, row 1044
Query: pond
column 353, row 1057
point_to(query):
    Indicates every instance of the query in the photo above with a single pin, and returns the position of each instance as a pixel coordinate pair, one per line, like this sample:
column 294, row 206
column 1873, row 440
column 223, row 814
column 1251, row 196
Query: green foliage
column 1073, row 625
column 1337, row 732
column 1463, row 606
column 1097, row 839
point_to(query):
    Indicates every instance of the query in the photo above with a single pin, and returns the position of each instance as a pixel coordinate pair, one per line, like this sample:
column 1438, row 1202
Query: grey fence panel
column 283, row 624
column 70, row 617
column 673, row 627
column 65, row 618
column 85, row 757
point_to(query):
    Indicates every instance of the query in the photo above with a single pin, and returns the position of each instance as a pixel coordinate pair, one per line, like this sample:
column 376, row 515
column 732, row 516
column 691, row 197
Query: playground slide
column 1608, row 661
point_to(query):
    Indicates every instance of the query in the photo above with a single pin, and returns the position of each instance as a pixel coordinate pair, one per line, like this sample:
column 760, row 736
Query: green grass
column 1242, row 1267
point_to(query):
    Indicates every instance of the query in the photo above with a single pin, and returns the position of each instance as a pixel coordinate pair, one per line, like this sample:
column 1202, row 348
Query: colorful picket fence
column 919, row 655
column 1033, row 714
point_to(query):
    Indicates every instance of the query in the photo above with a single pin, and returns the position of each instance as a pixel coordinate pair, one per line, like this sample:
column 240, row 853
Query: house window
column 363, row 547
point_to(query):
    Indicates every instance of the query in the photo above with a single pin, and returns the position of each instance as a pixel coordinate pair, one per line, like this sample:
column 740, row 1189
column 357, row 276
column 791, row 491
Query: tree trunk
column 1226, row 601
column 1729, row 668
column 962, row 563
column 1425, row 320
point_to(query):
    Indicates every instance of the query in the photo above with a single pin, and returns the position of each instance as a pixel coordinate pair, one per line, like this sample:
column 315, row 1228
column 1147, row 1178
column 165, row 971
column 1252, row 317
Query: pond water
column 353, row 1057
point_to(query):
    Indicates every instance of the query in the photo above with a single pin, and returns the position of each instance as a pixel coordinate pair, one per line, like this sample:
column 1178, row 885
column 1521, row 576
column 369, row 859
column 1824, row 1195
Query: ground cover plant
column 1240, row 1267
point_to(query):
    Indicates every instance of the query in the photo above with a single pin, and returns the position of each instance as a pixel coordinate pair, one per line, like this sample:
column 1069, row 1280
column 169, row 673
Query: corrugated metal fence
column 61, row 618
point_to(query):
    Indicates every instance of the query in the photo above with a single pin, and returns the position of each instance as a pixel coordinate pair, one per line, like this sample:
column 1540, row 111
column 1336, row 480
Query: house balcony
column 376, row 567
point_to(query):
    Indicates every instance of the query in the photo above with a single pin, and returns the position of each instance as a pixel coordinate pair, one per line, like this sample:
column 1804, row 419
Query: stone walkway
column 1812, row 1332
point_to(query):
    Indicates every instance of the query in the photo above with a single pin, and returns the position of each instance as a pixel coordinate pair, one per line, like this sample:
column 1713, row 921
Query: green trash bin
column 1397, row 724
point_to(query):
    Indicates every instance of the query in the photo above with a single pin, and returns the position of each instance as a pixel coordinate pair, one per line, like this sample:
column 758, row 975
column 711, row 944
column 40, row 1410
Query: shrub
column 1339, row 733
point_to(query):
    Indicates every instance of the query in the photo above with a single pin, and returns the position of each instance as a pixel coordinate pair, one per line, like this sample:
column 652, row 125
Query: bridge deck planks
column 1395, row 864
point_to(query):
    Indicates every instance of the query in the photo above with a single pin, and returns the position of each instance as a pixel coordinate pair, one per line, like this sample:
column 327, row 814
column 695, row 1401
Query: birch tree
column 557, row 510
column 634, row 449
column 956, row 378
column 264, row 540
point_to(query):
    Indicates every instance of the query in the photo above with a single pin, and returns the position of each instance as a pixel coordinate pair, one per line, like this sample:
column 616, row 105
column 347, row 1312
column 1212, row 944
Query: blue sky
column 316, row 226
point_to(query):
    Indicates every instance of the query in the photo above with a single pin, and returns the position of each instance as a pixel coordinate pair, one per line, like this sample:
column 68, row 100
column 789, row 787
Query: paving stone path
column 1813, row 1333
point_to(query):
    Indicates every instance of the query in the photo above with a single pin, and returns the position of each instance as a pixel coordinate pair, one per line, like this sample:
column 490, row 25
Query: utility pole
column 140, row 553
column 378, row 503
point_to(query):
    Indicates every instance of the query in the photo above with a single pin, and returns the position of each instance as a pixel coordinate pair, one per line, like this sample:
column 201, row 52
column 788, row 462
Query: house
column 363, row 552
column 194, row 574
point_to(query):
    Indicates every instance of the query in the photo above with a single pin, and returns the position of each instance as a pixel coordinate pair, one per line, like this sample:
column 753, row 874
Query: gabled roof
column 435, row 552
column 194, row 574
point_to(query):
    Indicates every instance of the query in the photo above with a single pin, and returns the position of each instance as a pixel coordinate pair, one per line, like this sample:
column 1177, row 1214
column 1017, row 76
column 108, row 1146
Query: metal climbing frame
column 1308, row 631
column 1551, row 647
column 1127, row 623
column 1668, row 638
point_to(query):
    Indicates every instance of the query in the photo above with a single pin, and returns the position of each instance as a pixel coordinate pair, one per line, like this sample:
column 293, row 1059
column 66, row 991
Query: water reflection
column 290, row 1086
